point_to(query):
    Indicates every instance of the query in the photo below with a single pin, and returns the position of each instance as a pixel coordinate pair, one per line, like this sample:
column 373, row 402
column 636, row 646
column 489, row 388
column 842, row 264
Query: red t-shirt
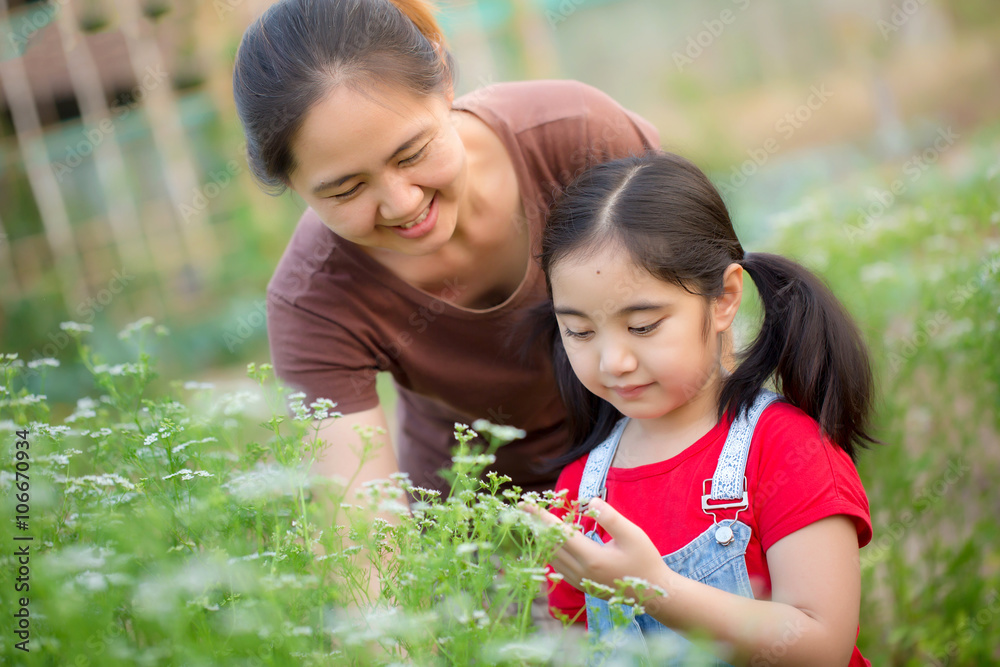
column 795, row 476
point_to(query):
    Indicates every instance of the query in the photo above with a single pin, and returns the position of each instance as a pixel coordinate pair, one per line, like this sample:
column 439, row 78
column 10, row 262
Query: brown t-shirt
column 336, row 317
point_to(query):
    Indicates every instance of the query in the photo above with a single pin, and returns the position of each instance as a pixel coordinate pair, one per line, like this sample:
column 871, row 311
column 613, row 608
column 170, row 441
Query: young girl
column 754, row 540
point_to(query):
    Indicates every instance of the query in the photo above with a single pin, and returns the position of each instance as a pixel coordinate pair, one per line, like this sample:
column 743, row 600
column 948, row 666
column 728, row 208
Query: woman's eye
column 416, row 156
column 345, row 195
column 579, row 335
column 643, row 331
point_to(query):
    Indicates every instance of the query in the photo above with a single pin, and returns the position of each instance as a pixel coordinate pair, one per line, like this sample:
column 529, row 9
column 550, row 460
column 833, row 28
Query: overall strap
column 727, row 482
column 596, row 470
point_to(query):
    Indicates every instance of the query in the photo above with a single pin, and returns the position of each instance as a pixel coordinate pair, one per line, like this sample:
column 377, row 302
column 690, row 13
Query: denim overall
column 716, row 557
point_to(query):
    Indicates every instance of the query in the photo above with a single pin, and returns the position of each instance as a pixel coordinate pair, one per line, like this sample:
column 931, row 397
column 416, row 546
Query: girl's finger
column 537, row 511
column 618, row 527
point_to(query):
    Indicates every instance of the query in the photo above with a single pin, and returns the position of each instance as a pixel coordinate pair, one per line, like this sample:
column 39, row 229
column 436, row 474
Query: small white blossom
column 58, row 459
column 235, row 403
column 46, row 361
column 181, row 447
column 76, row 327
column 323, row 409
column 475, row 459
column 54, row 432
column 151, row 438
column 187, row 474
column 28, row 399
column 80, row 414
column 118, row 370
column 253, row 556
column 74, row 484
column 504, row 433
column 195, row 386
column 135, row 327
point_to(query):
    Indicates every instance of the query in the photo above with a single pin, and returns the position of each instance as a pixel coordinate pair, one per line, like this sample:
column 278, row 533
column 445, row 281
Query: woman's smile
column 421, row 225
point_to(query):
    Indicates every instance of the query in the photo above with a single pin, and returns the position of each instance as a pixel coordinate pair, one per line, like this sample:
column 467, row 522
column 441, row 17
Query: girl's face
column 385, row 170
column 648, row 347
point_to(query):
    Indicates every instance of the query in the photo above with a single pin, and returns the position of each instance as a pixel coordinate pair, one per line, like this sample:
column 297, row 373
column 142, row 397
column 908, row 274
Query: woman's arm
column 811, row 619
column 342, row 457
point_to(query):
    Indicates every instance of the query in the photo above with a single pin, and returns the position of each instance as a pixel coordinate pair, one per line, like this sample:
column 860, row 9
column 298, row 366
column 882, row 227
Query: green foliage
column 922, row 277
column 169, row 531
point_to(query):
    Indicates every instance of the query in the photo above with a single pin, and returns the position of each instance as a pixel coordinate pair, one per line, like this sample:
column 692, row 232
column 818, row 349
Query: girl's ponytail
column 812, row 346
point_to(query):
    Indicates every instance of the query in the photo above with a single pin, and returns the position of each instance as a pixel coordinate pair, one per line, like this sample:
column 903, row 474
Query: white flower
column 187, row 474
column 54, row 432
column 181, row 447
column 76, row 327
column 118, row 369
column 151, row 438
column 323, row 409
column 195, row 386
column 58, row 459
column 134, row 327
column 74, row 484
column 46, row 361
column 92, row 581
column 265, row 481
column 475, row 459
column 253, row 556
column 236, row 403
column 28, row 399
column 505, row 433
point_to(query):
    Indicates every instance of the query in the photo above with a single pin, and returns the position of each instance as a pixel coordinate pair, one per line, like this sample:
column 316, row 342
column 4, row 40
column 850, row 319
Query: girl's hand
column 630, row 553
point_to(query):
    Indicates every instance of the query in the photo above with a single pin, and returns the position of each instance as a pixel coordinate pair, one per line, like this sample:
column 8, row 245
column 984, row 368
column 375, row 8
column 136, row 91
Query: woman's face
column 382, row 170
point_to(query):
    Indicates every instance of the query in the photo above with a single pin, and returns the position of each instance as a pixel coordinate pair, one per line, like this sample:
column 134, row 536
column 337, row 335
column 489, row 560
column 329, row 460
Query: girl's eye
column 646, row 330
column 416, row 156
column 345, row 195
column 578, row 335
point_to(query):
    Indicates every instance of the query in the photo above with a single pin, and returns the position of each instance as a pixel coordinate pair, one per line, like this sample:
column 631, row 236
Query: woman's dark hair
column 665, row 213
column 300, row 50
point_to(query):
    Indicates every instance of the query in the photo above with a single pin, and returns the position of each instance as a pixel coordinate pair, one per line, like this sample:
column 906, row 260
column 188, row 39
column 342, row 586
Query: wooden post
column 48, row 196
column 160, row 104
column 122, row 215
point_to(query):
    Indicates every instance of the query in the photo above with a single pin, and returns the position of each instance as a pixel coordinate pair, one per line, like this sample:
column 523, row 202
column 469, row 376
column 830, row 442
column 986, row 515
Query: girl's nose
column 617, row 359
column 401, row 199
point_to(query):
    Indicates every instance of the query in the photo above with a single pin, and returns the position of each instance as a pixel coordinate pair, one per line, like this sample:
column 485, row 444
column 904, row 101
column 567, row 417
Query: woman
column 415, row 255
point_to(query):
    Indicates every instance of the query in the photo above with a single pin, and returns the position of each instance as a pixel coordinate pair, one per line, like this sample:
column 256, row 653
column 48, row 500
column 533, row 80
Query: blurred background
column 861, row 136
column 125, row 192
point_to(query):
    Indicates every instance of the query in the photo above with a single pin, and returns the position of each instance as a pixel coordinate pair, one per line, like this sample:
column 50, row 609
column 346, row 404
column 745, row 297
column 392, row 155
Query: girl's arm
column 811, row 619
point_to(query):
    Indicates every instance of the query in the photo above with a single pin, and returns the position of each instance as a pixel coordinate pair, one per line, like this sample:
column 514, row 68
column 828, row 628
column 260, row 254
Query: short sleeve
column 563, row 598
column 320, row 357
column 612, row 131
column 592, row 129
column 803, row 477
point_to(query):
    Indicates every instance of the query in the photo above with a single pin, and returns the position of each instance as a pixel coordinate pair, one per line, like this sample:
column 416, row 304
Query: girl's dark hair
column 669, row 218
column 299, row 50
